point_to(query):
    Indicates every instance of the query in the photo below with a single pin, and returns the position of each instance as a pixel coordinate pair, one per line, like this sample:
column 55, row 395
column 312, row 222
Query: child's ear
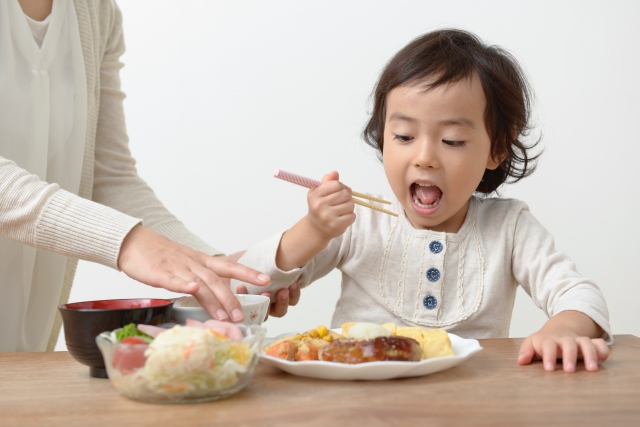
column 494, row 160
column 492, row 164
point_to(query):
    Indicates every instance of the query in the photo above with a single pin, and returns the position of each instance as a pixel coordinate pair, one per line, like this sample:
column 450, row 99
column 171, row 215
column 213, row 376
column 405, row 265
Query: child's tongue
column 427, row 195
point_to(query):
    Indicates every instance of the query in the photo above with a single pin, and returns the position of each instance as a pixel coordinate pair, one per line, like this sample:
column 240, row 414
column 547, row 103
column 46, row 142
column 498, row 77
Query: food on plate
column 363, row 342
column 366, row 331
column 433, row 342
column 301, row 346
column 198, row 359
column 352, row 351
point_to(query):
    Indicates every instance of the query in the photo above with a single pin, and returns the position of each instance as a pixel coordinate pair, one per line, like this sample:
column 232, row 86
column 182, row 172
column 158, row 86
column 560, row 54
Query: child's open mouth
column 425, row 196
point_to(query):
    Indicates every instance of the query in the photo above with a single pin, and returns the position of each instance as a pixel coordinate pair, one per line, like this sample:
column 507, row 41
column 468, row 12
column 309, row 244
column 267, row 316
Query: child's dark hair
column 450, row 55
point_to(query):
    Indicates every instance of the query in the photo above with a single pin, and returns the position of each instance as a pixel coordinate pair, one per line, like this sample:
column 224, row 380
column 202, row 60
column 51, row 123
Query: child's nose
column 426, row 155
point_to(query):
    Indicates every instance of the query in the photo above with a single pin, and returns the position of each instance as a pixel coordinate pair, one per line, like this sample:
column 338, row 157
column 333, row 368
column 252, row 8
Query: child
column 448, row 119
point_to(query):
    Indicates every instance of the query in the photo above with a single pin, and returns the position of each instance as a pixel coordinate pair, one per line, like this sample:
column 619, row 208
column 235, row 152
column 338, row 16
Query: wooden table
column 490, row 389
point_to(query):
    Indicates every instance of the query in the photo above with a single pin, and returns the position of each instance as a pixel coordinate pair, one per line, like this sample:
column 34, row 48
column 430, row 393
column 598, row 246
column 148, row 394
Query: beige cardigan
column 42, row 215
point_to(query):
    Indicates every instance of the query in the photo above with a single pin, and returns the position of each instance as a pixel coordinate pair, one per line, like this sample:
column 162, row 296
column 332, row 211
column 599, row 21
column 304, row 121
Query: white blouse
column 43, row 125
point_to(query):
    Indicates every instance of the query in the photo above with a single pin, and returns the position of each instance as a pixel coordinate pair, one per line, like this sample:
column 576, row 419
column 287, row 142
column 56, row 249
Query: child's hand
column 331, row 209
column 556, row 341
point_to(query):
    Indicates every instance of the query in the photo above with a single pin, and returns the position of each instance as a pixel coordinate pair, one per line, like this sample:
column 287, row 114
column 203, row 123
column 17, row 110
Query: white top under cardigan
column 464, row 282
column 63, row 143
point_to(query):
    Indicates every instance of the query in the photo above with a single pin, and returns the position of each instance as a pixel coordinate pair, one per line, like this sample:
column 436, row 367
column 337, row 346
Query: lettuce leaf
column 131, row 331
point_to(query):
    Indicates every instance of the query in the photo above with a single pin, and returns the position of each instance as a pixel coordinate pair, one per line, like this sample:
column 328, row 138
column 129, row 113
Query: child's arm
column 578, row 314
column 569, row 335
column 331, row 212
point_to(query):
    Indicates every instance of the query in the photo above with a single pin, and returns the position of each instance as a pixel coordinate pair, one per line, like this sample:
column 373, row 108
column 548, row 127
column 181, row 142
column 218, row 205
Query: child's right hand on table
column 331, row 208
column 569, row 335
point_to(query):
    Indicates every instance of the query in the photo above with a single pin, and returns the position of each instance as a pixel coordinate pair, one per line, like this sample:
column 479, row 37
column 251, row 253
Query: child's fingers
column 338, row 197
column 294, row 293
column 331, row 176
column 331, row 206
column 589, row 353
column 527, row 352
column 549, row 354
column 602, row 349
column 569, row 354
column 330, row 188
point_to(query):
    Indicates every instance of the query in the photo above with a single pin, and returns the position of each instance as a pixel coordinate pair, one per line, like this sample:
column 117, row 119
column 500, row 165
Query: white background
column 222, row 93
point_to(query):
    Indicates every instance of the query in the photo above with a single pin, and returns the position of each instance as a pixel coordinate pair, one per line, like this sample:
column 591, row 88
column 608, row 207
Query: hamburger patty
column 373, row 350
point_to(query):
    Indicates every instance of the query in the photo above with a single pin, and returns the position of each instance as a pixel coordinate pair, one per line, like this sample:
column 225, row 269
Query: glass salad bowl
column 181, row 365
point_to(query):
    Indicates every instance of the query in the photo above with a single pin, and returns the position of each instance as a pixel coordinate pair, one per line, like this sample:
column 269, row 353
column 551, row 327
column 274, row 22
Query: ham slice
column 227, row 329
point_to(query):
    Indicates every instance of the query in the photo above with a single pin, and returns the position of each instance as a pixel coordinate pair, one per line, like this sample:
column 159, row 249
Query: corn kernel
column 313, row 333
column 327, row 338
column 322, row 331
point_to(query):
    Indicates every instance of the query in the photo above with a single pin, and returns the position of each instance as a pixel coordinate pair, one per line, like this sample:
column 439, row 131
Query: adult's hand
column 155, row 260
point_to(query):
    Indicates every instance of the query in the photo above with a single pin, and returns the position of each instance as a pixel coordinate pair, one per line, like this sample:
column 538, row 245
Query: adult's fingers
column 549, row 354
column 589, row 354
column 236, row 255
column 182, row 286
column 204, row 292
column 210, row 303
column 569, row 354
column 224, row 267
column 221, row 292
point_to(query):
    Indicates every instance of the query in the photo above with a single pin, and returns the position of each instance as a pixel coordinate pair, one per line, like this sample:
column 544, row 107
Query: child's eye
column 403, row 138
column 453, row 143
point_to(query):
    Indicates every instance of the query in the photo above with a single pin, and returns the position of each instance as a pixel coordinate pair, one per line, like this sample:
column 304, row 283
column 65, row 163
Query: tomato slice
column 134, row 340
column 129, row 354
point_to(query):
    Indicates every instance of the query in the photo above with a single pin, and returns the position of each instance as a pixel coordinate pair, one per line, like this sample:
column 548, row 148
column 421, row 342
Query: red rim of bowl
column 117, row 304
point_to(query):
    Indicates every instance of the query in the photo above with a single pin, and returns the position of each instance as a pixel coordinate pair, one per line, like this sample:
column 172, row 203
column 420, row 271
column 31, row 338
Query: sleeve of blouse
column 262, row 257
column 116, row 181
column 550, row 277
column 42, row 215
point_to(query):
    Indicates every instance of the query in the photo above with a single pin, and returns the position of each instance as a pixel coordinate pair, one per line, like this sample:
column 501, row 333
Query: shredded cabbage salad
column 188, row 362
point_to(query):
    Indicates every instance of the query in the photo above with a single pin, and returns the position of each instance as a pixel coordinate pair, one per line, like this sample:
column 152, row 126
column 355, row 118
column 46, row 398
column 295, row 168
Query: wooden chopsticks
column 312, row 183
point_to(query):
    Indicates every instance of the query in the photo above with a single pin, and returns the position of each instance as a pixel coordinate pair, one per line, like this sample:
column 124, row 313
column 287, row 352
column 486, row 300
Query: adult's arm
column 42, row 215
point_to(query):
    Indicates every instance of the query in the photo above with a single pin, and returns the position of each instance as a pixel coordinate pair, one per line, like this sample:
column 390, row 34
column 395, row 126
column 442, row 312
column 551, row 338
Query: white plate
column 462, row 348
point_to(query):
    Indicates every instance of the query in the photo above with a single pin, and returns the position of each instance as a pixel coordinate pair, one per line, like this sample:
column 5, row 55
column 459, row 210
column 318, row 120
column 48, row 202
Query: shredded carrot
column 217, row 334
column 187, row 351
column 169, row 387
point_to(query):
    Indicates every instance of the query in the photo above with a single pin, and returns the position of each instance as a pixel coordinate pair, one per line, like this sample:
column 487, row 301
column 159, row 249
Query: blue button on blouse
column 430, row 302
column 435, row 247
column 433, row 274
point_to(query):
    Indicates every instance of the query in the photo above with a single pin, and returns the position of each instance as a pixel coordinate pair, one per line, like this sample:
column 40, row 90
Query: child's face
column 436, row 150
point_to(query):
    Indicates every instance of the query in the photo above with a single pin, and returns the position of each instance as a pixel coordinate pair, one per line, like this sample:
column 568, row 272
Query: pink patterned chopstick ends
column 296, row 179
